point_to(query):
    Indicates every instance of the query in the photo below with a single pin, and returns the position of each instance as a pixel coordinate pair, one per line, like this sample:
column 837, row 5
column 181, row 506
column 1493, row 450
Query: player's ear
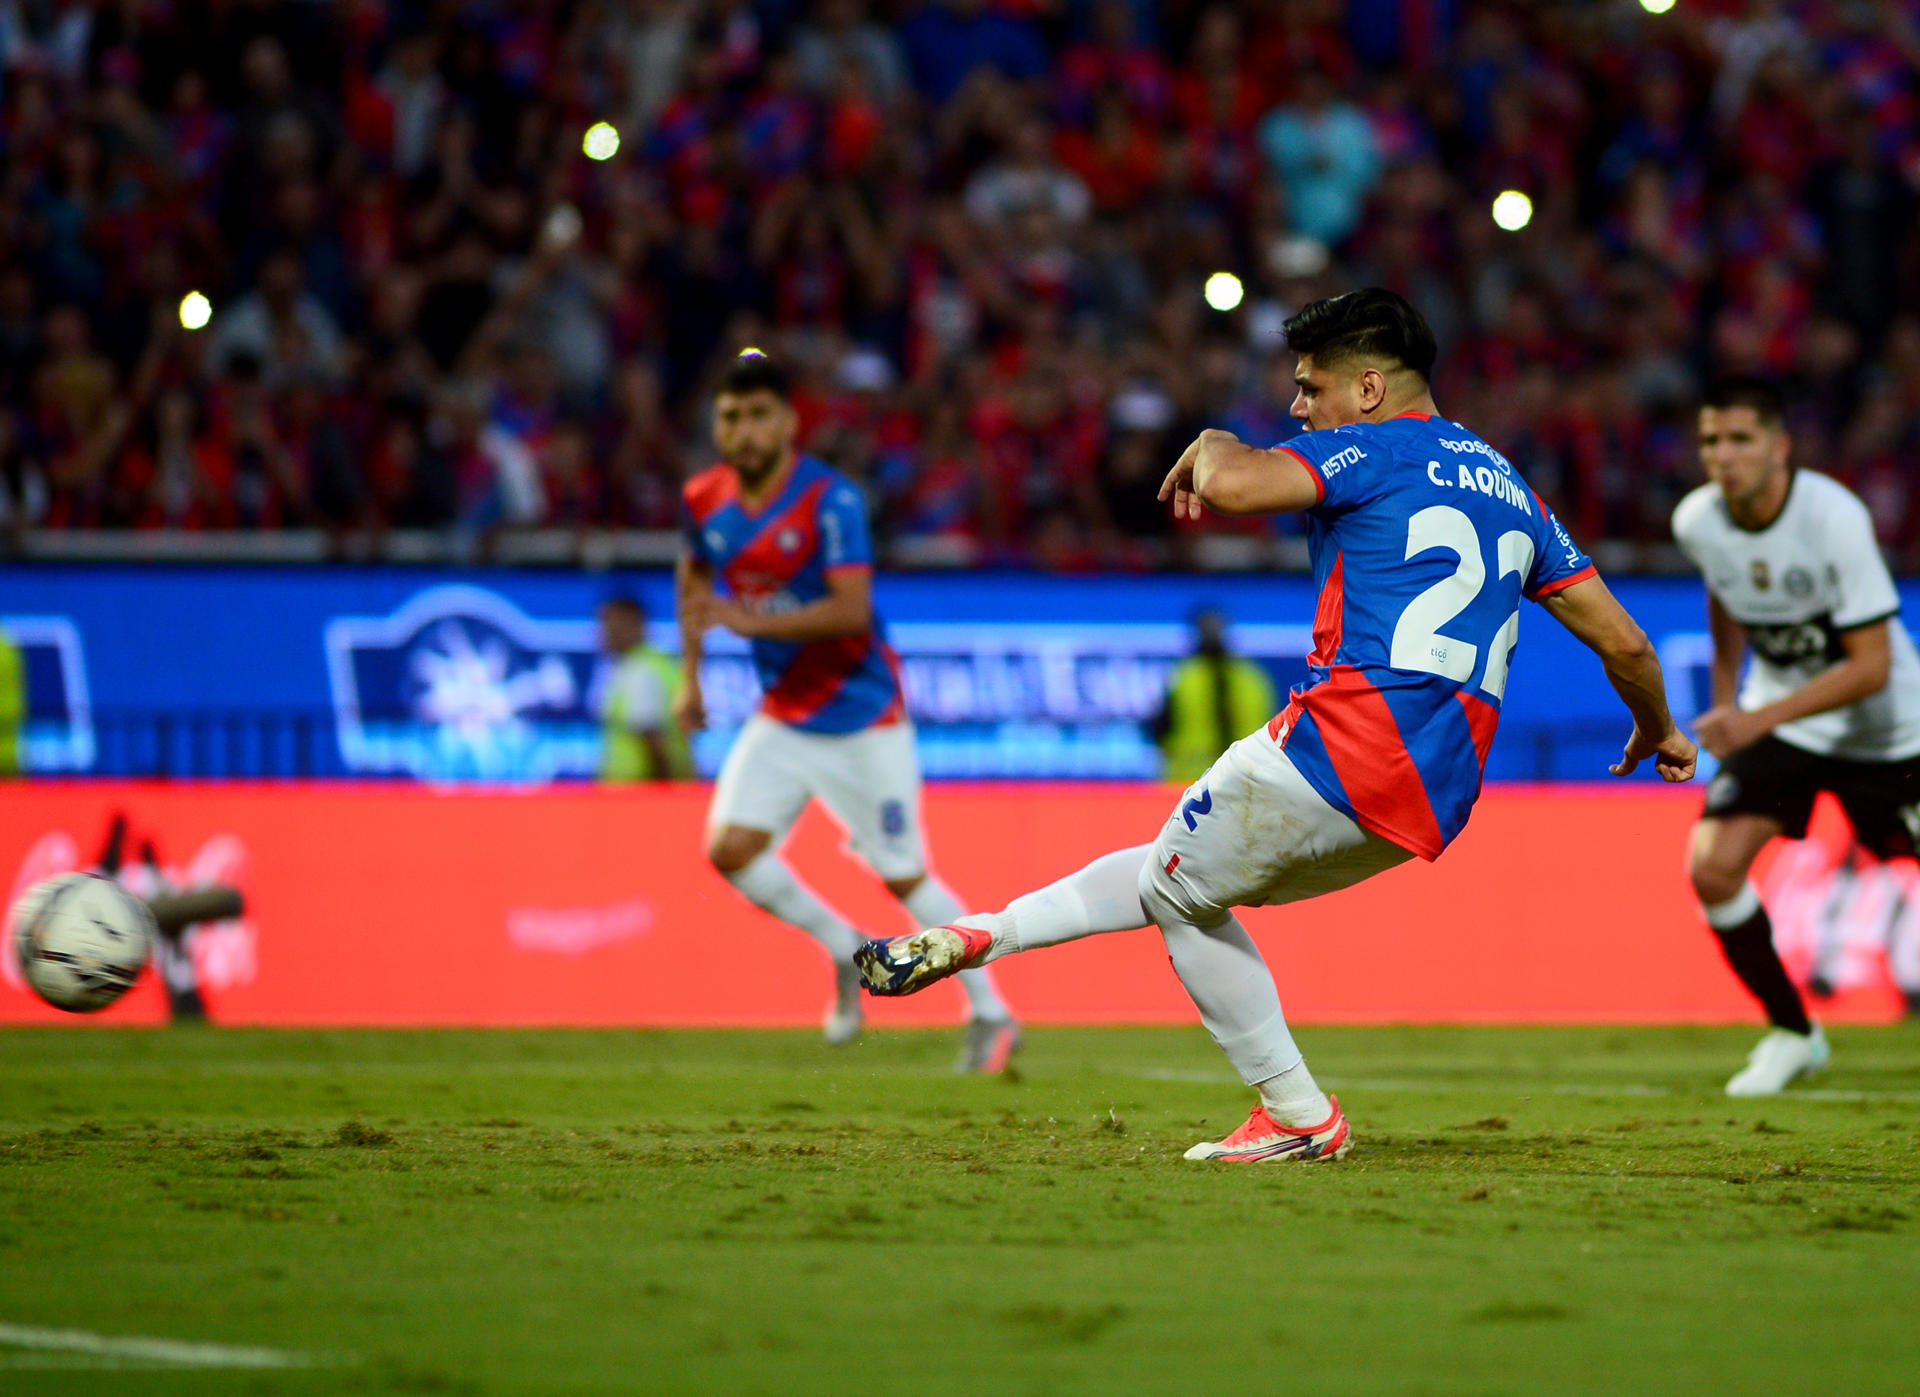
column 1373, row 388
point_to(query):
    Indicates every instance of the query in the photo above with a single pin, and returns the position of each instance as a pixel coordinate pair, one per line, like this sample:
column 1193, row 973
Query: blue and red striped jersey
column 1423, row 543
column 777, row 557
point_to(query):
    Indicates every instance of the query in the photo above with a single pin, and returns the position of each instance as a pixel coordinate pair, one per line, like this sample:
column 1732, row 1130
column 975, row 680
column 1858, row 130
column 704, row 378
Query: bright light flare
column 195, row 311
column 602, row 142
column 1656, row 7
column 1512, row 211
column 1224, row 291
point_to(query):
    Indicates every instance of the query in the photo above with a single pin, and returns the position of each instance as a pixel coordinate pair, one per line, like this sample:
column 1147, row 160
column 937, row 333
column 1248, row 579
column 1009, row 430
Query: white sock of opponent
column 1103, row 896
column 1229, row 982
column 932, row 903
column 771, row 886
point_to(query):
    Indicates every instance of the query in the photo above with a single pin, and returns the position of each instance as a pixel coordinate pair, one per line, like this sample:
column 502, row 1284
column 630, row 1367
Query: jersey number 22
column 1417, row 642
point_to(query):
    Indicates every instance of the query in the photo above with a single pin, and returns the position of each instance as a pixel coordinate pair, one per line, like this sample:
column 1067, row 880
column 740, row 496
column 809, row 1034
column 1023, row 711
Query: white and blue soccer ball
column 81, row 940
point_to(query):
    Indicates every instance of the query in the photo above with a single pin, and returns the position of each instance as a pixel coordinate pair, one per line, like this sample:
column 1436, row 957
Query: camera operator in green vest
column 1214, row 697
column 640, row 739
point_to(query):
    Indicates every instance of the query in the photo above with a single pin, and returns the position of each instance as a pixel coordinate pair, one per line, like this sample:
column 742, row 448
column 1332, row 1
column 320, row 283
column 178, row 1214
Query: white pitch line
column 122, row 1350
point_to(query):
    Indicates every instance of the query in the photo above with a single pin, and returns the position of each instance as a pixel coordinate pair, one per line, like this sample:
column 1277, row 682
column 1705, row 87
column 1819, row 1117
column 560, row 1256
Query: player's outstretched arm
column 846, row 609
column 1220, row 472
column 1729, row 651
column 1865, row 663
column 1600, row 623
column 693, row 596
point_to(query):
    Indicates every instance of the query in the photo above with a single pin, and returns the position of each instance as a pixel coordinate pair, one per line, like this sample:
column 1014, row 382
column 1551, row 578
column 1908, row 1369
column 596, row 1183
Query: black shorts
column 1780, row 781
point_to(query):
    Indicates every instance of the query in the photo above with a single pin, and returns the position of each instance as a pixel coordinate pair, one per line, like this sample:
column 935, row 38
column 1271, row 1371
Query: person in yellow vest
column 1213, row 696
column 13, row 705
column 641, row 742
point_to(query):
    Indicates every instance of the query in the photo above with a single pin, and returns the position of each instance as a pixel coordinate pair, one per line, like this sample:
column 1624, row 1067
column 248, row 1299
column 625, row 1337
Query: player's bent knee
column 731, row 849
column 1714, row 880
column 1714, row 866
column 1152, row 901
column 1164, row 905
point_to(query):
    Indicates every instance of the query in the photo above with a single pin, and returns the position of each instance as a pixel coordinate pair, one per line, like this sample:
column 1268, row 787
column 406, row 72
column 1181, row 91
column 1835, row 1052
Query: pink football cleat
column 1263, row 1140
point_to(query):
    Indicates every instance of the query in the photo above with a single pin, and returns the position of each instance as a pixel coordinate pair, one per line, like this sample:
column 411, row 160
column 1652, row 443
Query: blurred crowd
column 981, row 231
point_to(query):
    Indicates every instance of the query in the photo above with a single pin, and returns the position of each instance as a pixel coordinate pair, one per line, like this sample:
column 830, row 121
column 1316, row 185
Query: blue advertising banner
column 495, row 675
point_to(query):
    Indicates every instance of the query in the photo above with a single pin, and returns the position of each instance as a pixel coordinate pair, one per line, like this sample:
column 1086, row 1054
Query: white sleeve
column 1688, row 547
column 644, row 696
column 1865, row 588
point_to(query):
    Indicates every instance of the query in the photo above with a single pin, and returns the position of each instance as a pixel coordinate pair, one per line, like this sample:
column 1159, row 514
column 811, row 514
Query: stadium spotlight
column 1656, row 7
column 1224, row 291
column 195, row 311
column 602, row 142
column 1512, row 210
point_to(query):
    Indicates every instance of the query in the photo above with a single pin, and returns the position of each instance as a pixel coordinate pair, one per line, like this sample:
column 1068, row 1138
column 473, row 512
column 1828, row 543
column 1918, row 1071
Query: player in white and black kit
column 1830, row 703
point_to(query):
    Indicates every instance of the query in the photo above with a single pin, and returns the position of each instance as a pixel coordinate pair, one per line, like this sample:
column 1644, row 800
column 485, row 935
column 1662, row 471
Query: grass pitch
column 1525, row 1211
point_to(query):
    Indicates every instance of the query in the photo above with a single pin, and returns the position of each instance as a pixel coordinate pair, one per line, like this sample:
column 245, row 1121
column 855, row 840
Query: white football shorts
column 1252, row 832
column 868, row 780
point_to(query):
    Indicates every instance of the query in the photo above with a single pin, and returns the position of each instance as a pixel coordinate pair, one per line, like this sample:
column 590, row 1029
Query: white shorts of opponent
column 1252, row 832
column 868, row 780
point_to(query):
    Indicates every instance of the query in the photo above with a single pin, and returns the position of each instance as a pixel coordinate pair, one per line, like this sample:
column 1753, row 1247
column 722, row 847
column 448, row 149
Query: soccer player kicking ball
column 1424, row 541
column 788, row 535
column 1831, row 703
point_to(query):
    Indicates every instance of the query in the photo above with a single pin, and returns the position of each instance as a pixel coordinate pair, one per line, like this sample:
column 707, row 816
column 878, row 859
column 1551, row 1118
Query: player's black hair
column 624, row 602
column 1744, row 390
column 754, row 372
column 1372, row 324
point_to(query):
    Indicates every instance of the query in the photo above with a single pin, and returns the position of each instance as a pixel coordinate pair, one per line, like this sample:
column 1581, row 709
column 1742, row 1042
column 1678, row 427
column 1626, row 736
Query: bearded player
column 787, row 536
column 1830, row 703
column 1424, row 541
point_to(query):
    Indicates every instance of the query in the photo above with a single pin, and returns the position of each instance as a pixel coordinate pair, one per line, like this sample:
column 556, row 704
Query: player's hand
column 724, row 611
column 1726, row 729
column 1673, row 756
column 690, row 708
column 1178, row 486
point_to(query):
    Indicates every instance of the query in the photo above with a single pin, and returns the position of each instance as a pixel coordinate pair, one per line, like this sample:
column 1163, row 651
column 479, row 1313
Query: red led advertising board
column 397, row 905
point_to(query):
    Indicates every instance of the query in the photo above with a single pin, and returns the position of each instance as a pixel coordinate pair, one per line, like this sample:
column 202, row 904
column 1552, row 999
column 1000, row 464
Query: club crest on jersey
column 788, row 540
column 1762, row 575
column 1799, row 583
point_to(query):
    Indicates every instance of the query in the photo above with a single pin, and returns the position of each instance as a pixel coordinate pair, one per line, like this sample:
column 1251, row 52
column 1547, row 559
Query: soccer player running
column 1423, row 541
column 787, row 534
column 1831, row 701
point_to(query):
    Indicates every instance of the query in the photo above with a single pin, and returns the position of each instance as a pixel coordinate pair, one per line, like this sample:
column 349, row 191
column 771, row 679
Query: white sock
column 1735, row 911
column 1103, row 896
column 1294, row 1098
column 1229, row 982
column 932, row 903
column 770, row 885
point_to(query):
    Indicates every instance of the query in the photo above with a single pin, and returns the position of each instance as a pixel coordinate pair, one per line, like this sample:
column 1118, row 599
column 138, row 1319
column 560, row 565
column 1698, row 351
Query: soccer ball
column 81, row 940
